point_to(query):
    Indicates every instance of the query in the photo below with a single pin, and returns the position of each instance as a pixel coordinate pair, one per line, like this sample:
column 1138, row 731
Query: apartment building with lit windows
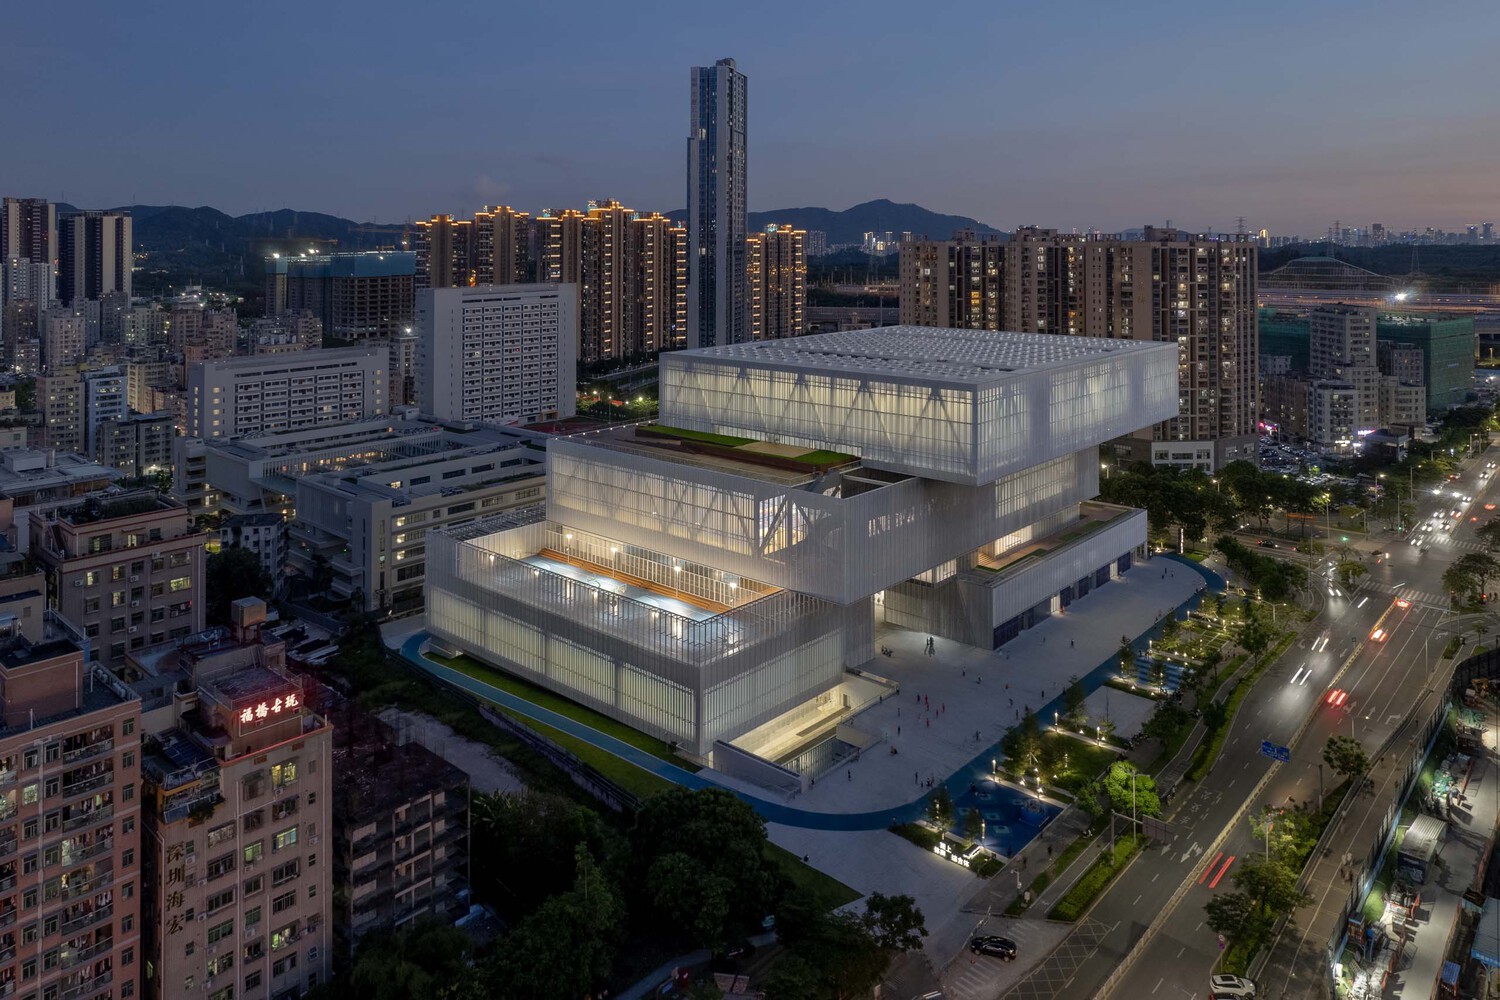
column 777, row 282
column 237, row 782
column 124, row 567
column 70, row 924
column 284, row 392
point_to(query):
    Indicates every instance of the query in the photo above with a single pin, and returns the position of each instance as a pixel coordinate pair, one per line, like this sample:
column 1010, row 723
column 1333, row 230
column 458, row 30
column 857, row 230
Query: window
column 284, row 808
column 90, row 605
column 31, row 757
column 255, row 820
column 91, row 578
column 286, row 838
column 255, row 852
column 219, row 834
column 227, row 993
column 252, row 982
column 285, row 873
column 127, row 956
column 252, row 917
column 127, row 922
column 128, row 759
column 220, row 964
column 283, row 937
column 30, row 795
column 117, row 599
column 254, row 885
column 127, row 858
column 128, row 727
column 128, row 792
column 117, row 572
column 284, row 902
column 28, row 969
column 28, row 863
column 219, row 900
column 284, row 774
column 129, row 825
column 180, row 583
column 127, row 989
column 282, row 966
column 219, row 932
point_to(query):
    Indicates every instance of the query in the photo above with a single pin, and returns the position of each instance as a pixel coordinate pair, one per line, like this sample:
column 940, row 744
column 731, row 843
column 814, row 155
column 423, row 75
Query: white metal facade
column 839, row 549
column 963, row 406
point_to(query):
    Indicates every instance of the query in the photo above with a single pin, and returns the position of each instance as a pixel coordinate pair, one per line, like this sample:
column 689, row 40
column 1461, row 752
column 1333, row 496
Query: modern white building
column 717, row 573
column 282, row 392
column 361, row 498
column 498, row 354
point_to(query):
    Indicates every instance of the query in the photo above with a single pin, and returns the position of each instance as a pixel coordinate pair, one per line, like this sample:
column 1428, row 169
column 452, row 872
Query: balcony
column 86, row 988
column 90, row 818
column 88, row 784
column 89, row 919
column 69, row 960
column 78, row 857
column 9, row 917
column 8, row 847
column 84, row 753
column 101, row 881
column 8, row 883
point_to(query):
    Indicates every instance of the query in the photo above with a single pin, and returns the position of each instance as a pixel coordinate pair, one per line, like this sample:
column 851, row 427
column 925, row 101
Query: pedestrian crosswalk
column 1437, row 600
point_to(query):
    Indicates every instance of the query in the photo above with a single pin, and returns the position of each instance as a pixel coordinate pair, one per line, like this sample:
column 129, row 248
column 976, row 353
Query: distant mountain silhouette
column 879, row 216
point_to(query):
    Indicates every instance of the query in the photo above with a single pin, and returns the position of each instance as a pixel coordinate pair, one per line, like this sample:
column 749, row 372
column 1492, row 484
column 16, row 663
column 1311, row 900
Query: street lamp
column 1105, row 467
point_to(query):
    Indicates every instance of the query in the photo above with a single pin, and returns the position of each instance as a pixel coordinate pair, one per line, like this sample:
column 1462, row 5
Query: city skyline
column 1299, row 138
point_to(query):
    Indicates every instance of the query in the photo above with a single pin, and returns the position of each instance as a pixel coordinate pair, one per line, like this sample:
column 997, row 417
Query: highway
column 1379, row 673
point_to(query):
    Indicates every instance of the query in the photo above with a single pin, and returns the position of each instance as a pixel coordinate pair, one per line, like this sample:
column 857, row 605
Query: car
column 1489, row 506
column 1402, row 602
column 1223, row 987
column 1266, row 543
column 1378, row 635
column 1337, row 696
column 993, row 944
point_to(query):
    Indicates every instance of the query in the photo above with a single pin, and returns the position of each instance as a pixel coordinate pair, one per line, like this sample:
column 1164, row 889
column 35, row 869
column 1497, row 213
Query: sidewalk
column 1462, row 858
column 1296, row 965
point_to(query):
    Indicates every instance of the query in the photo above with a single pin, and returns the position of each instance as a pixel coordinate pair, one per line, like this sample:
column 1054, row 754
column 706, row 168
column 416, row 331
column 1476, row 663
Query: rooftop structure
column 716, row 574
column 960, row 405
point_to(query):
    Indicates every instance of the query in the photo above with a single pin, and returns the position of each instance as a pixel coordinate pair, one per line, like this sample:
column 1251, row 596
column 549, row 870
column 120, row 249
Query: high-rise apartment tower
column 716, row 176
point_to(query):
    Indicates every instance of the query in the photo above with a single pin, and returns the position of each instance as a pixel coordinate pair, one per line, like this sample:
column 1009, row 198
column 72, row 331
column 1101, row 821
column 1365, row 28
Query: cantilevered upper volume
column 966, row 406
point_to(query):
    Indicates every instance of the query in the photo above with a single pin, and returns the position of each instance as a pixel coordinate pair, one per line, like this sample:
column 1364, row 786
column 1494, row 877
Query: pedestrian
column 1049, row 852
column 1072, row 643
column 929, row 722
column 898, row 730
column 945, row 709
column 963, row 673
column 976, row 736
column 1011, row 700
column 916, row 779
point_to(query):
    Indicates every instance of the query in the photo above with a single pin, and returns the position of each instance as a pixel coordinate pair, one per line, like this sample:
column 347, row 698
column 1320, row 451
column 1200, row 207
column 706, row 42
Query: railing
column 84, row 954
column 91, row 985
column 100, row 881
column 90, row 818
column 8, row 847
column 78, row 857
column 88, row 919
column 8, row 883
column 9, row 917
column 88, row 784
column 84, row 753
column 6, row 777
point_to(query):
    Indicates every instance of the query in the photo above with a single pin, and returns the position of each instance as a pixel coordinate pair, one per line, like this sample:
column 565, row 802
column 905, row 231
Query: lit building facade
column 777, row 262
column 717, row 174
column 707, row 576
column 284, row 392
column 95, row 255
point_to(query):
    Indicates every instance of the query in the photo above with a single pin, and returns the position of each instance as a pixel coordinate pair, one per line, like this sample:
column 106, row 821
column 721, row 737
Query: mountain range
column 209, row 247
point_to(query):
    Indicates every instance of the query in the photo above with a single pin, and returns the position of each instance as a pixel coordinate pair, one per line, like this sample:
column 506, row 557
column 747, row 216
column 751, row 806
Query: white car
column 1230, row 987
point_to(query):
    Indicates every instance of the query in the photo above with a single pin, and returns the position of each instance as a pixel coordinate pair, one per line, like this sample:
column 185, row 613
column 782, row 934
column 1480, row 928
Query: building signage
column 268, row 710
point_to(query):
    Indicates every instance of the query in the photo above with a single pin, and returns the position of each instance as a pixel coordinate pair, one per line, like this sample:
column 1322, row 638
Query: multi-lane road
column 1376, row 646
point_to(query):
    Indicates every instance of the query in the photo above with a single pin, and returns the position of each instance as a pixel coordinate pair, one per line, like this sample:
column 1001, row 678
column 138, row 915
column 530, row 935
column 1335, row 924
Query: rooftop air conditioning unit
column 78, row 583
column 135, row 604
column 133, row 629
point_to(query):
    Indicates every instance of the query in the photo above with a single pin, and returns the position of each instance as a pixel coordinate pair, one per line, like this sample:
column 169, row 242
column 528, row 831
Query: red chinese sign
column 268, row 710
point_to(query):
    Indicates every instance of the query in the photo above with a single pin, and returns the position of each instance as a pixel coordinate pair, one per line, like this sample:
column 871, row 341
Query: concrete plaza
column 952, row 708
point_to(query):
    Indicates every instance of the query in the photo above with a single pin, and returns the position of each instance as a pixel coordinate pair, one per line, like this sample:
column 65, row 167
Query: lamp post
column 1105, row 467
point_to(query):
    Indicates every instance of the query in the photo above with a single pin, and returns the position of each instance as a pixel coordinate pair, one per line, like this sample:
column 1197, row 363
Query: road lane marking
column 1210, row 867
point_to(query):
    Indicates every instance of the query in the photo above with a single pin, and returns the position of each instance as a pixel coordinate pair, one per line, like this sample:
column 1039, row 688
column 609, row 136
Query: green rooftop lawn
column 703, row 437
column 543, row 698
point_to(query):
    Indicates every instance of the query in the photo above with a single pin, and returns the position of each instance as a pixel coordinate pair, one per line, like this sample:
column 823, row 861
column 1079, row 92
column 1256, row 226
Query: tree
column 1271, row 882
column 1345, row 756
column 1350, row 571
column 1461, row 583
column 1489, row 534
column 894, row 923
column 1159, row 671
column 424, row 960
column 1165, row 723
column 1127, row 662
column 1022, row 744
column 524, row 847
column 720, row 841
column 941, row 807
column 1229, row 913
column 1074, row 699
column 1131, row 797
column 973, row 823
column 1171, row 628
column 232, row 573
column 567, row 947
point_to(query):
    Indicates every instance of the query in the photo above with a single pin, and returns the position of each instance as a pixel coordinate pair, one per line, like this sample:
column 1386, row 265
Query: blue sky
column 1069, row 115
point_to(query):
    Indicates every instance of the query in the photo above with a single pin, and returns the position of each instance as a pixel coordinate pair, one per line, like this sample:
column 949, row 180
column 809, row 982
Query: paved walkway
column 1463, row 857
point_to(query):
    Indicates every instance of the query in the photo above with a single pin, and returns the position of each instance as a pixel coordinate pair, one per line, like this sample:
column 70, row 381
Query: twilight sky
column 1071, row 115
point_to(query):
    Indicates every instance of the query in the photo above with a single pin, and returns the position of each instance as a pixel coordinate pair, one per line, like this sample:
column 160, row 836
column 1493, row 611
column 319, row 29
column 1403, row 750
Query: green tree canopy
column 1345, row 756
column 719, row 839
column 424, row 960
column 1127, row 796
column 1074, row 697
column 232, row 573
column 525, row 846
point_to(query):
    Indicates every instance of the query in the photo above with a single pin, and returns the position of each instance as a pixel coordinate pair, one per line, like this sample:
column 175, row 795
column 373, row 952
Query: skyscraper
column 28, row 229
column 95, row 255
column 778, row 283
column 716, row 179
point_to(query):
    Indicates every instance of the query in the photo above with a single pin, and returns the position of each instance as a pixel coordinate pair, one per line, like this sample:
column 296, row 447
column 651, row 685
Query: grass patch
column 829, row 891
column 987, row 866
column 1060, row 864
column 703, row 437
column 1083, row 761
column 1208, row 750
column 542, row 698
column 1097, row 878
column 924, row 837
column 823, row 456
column 640, row 783
column 1451, row 650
